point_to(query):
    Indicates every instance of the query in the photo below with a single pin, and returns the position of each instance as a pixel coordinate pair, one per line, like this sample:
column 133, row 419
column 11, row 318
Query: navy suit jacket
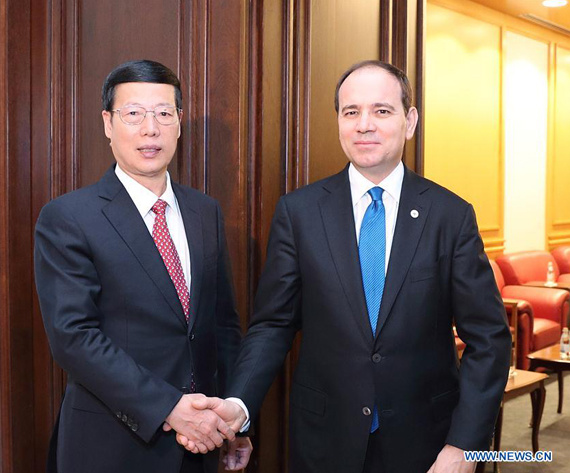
column 116, row 326
column 437, row 274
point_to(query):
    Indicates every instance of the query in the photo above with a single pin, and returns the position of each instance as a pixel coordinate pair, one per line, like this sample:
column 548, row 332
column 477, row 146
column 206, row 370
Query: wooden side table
column 524, row 382
column 549, row 358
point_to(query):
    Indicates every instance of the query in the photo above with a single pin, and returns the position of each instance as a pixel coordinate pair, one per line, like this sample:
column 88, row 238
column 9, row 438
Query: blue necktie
column 372, row 252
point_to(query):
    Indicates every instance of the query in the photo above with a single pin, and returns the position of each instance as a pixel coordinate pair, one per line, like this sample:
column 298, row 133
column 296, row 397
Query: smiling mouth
column 149, row 151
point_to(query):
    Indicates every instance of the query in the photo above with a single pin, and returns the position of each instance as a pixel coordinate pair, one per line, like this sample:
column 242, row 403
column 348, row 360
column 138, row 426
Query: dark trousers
column 192, row 464
column 372, row 464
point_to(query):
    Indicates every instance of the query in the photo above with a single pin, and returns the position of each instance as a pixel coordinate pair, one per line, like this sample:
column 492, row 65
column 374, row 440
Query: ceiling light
column 555, row 3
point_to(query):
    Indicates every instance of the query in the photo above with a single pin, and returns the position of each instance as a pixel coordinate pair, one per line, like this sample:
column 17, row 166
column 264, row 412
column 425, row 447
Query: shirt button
column 376, row 358
column 366, row 411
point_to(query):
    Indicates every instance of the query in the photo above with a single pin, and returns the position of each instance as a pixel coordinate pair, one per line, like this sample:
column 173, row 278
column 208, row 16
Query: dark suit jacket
column 116, row 326
column 437, row 273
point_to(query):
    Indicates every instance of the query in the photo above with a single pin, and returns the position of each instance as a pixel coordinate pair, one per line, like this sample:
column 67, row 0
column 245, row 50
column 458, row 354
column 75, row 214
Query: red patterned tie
column 167, row 250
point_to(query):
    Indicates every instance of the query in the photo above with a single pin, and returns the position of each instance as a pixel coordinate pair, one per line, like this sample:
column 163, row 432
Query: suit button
column 376, row 358
column 192, row 336
column 135, row 427
column 119, row 414
column 185, row 389
column 124, row 418
column 366, row 411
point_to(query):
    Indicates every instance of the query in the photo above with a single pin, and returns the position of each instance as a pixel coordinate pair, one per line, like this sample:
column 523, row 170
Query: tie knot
column 159, row 208
column 376, row 193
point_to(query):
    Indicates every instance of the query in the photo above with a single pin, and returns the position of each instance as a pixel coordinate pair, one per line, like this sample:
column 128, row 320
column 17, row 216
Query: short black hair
column 139, row 71
column 392, row 70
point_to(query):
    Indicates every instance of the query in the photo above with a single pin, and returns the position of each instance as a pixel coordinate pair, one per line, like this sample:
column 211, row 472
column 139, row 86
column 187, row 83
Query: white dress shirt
column 144, row 199
column 392, row 185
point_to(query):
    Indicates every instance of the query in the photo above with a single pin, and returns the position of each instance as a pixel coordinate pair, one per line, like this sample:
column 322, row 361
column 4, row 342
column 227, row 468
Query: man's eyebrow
column 349, row 107
column 136, row 104
column 383, row 105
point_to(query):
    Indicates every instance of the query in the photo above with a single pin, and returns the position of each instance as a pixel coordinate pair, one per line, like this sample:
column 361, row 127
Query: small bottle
column 565, row 344
column 550, row 276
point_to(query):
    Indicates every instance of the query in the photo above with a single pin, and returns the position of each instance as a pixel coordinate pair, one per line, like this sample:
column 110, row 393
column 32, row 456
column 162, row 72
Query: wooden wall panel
column 558, row 211
column 300, row 49
column 258, row 80
column 17, row 337
column 342, row 33
column 267, row 75
column 100, row 41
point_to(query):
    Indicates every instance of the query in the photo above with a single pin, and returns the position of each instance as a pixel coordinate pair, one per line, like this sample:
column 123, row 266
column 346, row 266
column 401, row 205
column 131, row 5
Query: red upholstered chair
column 541, row 312
column 524, row 323
column 526, row 266
column 562, row 257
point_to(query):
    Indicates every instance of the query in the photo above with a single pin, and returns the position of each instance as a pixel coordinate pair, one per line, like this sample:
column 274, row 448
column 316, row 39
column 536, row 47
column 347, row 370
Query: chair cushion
column 525, row 266
column 546, row 333
column 499, row 279
column 562, row 257
column 564, row 278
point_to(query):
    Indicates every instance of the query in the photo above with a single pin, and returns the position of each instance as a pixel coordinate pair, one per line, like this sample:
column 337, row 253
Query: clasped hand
column 203, row 423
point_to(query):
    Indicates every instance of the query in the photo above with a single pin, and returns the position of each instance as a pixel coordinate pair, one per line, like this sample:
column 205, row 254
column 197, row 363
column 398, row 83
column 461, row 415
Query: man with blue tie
column 375, row 265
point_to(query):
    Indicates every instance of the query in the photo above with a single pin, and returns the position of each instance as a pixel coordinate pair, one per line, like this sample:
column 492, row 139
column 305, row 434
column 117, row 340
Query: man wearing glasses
column 135, row 290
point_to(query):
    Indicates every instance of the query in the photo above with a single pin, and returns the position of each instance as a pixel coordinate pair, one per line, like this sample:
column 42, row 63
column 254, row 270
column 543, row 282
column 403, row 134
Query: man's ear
column 107, row 123
column 180, row 115
column 411, row 122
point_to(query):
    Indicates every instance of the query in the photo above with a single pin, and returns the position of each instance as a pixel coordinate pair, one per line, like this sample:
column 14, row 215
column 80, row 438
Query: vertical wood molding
column 17, row 326
column 287, row 107
column 196, row 134
column 400, row 34
column 5, row 404
column 420, row 34
column 184, row 161
column 47, row 378
column 297, row 94
column 402, row 37
column 254, row 144
column 386, row 30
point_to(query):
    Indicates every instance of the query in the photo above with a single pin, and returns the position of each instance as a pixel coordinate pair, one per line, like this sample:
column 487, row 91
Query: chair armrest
column 525, row 328
column 546, row 303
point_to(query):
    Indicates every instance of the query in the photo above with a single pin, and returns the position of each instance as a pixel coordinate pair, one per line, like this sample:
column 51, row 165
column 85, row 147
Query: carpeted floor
column 554, row 431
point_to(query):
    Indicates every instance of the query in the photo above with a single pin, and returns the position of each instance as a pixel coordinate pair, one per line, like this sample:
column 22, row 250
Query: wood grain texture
column 258, row 80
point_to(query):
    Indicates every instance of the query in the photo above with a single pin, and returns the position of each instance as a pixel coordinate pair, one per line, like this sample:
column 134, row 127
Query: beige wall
column 497, row 115
column 525, row 106
column 463, row 114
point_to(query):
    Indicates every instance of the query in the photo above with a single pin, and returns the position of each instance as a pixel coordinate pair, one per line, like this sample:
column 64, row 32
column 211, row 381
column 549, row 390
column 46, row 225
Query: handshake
column 203, row 423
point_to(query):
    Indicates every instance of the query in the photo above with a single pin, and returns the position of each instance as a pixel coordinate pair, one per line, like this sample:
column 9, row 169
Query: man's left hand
column 452, row 460
column 235, row 454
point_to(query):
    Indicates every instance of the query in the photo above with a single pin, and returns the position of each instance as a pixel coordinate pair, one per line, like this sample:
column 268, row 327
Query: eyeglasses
column 163, row 114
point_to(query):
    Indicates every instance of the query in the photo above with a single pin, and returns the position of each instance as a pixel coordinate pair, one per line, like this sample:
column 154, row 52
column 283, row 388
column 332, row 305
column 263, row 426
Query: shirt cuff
column 240, row 403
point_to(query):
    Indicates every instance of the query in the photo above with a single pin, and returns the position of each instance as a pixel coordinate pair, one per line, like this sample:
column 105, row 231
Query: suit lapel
column 406, row 237
column 193, row 230
column 125, row 218
column 338, row 220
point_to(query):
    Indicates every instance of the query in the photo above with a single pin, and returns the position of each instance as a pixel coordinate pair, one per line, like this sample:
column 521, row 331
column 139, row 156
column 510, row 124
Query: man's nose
column 149, row 126
column 364, row 124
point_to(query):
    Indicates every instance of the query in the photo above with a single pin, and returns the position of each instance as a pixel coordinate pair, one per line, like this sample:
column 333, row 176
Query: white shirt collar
column 392, row 184
column 143, row 198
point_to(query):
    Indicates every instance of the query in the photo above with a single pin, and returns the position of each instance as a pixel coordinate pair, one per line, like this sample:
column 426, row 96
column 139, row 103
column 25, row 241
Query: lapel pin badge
column 414, row 213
